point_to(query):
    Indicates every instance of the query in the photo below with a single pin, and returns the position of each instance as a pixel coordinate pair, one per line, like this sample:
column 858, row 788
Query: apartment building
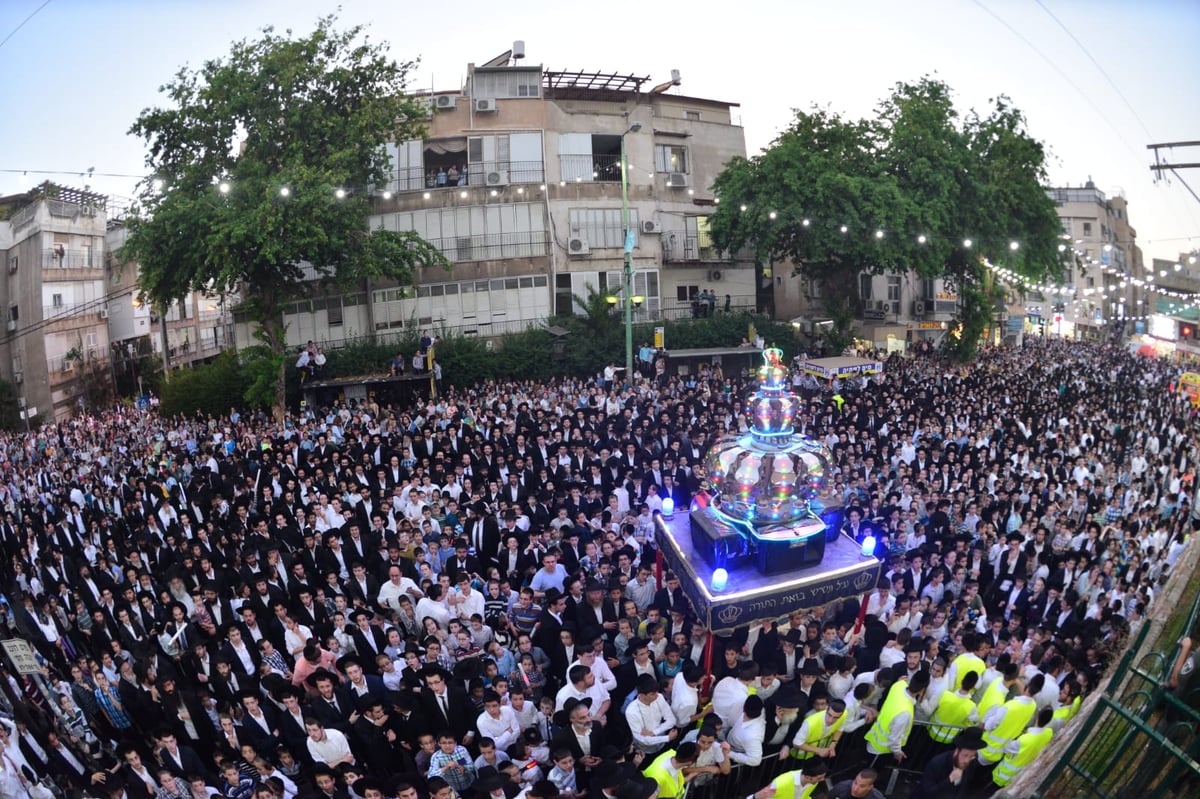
column 55, row 343
column 518, row 180
column 192, row 330
column 1100, row 296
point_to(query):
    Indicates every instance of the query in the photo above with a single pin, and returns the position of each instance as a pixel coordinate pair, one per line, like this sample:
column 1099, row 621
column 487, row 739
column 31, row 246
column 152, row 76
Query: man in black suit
column 462, row 563
column 369, row 640
column 444, row 706
column 783, row 715
column 581, row 737
column 182, row 761
column 332, row 706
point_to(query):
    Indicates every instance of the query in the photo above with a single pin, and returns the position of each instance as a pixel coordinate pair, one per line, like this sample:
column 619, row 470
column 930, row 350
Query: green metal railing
column 1140, row 739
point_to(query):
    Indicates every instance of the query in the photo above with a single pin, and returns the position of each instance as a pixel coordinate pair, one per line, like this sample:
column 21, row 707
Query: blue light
column 668, row 508
column 719, row 579
column 868, row 546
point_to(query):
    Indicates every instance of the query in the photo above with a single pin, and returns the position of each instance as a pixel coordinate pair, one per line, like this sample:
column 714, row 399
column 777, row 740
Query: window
column 1087, row 229
column 14, row 313
column 602, row 227
column 564, row 303
column 670, row 158
column 56, row 300
column 693, row 116
column 864, row 286
column 13, row 263
column 334, row 312
column 686, row 293
column 893, row 288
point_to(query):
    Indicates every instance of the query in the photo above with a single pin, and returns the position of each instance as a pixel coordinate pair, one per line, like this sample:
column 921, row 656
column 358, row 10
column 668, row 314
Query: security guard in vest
column 1025, row 749
column 975, row 650
column 819, row 732
column 798, row 784
column 955, row 710
column 667, row 769
column 1006, row 722
column 889, row 734
column 1069, row 700
column 997, row 693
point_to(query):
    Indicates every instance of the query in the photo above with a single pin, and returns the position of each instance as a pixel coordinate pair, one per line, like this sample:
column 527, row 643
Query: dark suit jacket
column 565, row 739
column 462, row 712
column 190, row 762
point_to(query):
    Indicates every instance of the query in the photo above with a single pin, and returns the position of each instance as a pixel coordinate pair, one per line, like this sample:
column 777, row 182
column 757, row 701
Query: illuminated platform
column 752, row 595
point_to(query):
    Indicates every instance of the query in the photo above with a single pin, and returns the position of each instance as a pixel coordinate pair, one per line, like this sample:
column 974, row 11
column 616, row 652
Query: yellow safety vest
column 669, row 785
column 898, row 701
column 1019, row 712
column 785, row 786
column 818, row 736
column 1067, row 712
column 995, row 694
column 953, row 710
column 966, row 662
column 1032, row 743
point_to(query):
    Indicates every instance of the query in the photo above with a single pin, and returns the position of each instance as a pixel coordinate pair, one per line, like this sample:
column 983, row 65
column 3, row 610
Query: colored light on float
column 720, row 579
column 668, row 508
column 868, row 546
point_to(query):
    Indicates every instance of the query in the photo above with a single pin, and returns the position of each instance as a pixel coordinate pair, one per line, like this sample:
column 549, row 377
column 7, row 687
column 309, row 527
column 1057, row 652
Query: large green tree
column 902, row 190
column 261, row 164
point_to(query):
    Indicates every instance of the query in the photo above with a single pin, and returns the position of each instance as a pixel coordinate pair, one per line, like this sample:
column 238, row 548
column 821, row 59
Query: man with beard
column 950, row 774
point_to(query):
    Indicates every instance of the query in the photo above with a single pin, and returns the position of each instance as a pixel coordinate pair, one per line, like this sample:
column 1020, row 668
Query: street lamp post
column 628, row 245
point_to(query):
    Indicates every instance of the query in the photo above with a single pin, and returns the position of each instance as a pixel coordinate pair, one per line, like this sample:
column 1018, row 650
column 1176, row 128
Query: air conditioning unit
column 578, row 246
column 489, row 344
column 11, row 326
column 714, row 275
column 103, row 313
column 485, row 106
column 18, row 377
column 497, row 178
column 882, row 305
column 651, row 227
column 918, row 308
column 446, row 102
column 87, row 210
column 677, row 180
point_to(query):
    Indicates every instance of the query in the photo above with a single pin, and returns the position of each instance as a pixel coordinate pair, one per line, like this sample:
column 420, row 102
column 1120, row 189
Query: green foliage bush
column 466, row 361
column 210, row 388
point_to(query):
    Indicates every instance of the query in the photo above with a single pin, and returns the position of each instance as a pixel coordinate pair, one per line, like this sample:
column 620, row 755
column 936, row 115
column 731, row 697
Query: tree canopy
column 261, row 164
column 903, row 190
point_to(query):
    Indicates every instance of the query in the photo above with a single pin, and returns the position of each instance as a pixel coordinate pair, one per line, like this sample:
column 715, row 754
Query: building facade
column 55, row 344
column 518, row 180
column 192, row 330
column 1103, row 295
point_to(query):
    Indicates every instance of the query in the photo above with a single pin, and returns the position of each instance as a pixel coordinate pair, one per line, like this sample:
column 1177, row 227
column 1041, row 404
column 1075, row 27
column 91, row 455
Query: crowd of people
column 460, row 598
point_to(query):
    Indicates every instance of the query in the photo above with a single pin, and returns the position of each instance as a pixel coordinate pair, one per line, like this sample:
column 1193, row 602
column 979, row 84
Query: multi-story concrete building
column 518, row 180
column 55, row 345
column 1103, row 292
column 194, row 329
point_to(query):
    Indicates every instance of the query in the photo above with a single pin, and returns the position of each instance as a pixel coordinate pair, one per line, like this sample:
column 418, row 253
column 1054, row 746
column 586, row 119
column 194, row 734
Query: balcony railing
column 53, row 258
column 590, row 168
column 486, row 174
column 680, row 247
column 694, row 309
column 72, row 311
column 494, row 246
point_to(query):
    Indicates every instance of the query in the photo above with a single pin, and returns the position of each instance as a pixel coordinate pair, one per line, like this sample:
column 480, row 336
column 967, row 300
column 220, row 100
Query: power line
column 1078, row 89
column 1098, row 66
column 22, row 25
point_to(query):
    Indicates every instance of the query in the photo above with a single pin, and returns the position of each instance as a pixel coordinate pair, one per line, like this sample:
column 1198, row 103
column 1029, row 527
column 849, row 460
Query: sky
column 1098, row 80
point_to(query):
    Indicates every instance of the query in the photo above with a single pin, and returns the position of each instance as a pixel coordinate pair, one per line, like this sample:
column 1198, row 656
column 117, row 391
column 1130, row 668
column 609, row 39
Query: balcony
column 86, row 311
column 679, row 247
column 58, row 258
column 491, row 247
column 590, row 168
column 484, row 174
